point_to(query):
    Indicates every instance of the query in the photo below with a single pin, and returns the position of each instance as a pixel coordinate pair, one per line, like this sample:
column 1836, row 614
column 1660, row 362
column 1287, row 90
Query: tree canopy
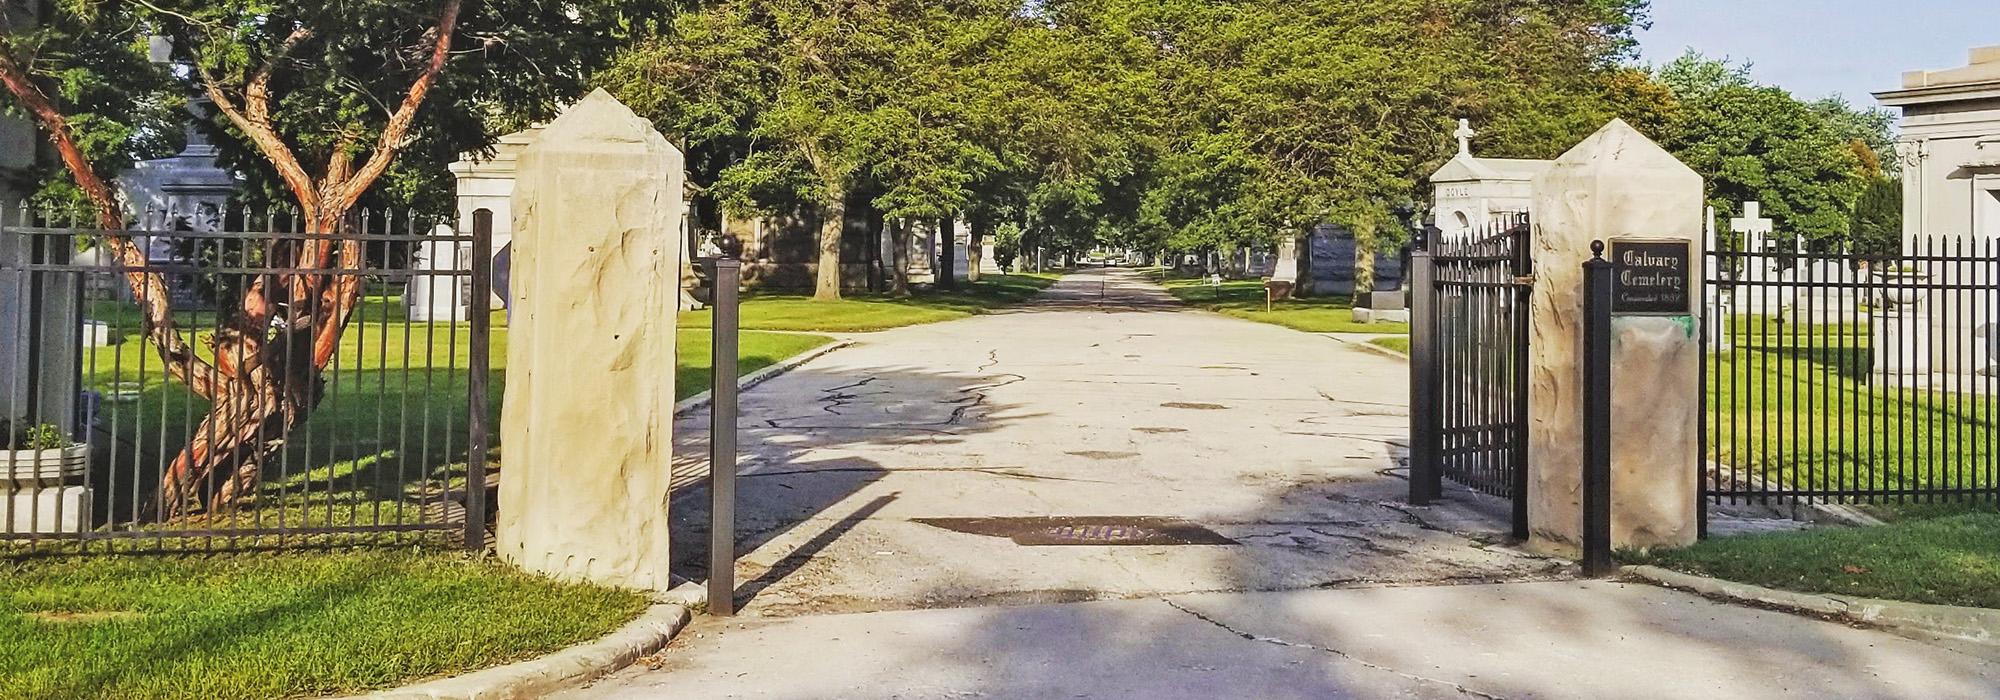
column 1807, row 162
column 1154, row 124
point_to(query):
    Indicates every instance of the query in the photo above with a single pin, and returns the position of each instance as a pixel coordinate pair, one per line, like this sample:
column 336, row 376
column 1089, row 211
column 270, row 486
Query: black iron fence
column 249, row 384
column 1469, row 352
column 1834, row 378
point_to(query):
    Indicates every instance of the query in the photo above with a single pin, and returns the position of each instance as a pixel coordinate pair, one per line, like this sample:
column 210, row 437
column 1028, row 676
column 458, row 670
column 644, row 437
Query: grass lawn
column 1796, row 403
column 1398, row 344
column 1949, row 560
column 1245, row 299
column 260, row 626
column 389, row 438
column 873, row 312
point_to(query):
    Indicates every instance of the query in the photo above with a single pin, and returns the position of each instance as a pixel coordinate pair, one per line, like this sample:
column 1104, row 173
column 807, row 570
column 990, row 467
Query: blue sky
column 1819, row 47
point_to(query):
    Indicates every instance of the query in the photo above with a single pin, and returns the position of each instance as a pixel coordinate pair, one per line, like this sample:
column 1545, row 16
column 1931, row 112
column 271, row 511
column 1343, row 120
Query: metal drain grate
column 1085, row 531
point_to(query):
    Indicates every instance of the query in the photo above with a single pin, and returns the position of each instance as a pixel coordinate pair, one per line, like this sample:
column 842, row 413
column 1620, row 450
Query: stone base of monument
column 1383, row 307
column 1382, row 316
column 1901, row 347
column 37, row 501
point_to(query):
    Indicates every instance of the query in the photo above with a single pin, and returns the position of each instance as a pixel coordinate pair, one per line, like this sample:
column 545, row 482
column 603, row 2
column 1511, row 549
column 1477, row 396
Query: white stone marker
column 1754, row 231
column 587, row 428
column 1714, row 305
column 1616, row 184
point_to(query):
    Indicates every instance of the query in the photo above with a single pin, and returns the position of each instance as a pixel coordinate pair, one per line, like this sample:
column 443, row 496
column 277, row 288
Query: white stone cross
column 1465, row 134
column 1752, row 220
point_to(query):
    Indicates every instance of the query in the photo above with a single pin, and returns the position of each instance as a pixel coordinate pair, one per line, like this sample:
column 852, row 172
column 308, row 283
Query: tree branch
column 253, row 118
column 149, row 289
column 346, row 193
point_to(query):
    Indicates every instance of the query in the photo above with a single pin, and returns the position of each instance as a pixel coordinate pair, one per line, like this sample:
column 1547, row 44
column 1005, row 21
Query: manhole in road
column 1085, row 531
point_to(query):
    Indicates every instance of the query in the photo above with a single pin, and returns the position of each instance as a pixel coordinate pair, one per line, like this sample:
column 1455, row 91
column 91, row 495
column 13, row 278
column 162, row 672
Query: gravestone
column 1616, row 186
column 1715, row 304
column 587, row 425
column 1949, row 147
column 1771, row 290
column 436, row 294
column 1330, row 249
column 485, row 182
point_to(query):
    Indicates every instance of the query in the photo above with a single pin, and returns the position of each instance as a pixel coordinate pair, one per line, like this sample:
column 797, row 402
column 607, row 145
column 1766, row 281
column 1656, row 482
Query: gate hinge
column 1525, row 280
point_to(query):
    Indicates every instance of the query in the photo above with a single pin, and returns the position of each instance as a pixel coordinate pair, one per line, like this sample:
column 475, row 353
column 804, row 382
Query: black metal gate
column 121, row 374
column 1469, row 363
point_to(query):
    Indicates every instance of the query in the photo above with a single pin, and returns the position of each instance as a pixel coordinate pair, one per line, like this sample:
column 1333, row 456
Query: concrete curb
column 1379, row 350
column 1365, row 345
column 563, row 669
column 1979, row 625
column 701, row 400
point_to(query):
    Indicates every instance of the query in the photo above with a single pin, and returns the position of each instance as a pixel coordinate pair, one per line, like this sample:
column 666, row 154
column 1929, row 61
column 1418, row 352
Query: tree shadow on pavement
column 808, row 460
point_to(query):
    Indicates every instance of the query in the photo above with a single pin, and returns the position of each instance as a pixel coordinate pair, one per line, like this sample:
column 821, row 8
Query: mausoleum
column 1950, row 147
column 1950, row 153
column 1471, row 191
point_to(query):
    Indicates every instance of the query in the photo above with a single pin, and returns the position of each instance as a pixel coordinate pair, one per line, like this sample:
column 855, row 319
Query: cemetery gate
column 1469, row 363
column 294, row 396
column 1833, row 377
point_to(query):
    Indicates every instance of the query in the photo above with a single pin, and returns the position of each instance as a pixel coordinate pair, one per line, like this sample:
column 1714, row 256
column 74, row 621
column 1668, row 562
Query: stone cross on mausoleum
column 1465, row 134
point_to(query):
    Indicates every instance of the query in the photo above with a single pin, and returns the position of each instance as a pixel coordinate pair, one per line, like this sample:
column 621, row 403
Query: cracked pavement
column 1104, row 397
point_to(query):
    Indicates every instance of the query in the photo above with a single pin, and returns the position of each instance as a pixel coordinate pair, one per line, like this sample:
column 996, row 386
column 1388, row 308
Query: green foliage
column 514, row 62
column 1878, row 219
column 783, row 103
column 1755, row 142
column 337, row 72
column 1274, row 116
column 1135, row 123
column 42, row 436
column 89, row 58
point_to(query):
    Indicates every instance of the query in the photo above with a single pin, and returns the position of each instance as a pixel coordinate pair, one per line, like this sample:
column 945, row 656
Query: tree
column 1755, row 142
column 327, row 96
column 824, row 102
column 1878, row 219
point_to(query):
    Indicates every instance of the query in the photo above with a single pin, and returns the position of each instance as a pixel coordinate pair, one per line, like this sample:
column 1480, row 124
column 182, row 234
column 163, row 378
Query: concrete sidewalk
column 1526, row 640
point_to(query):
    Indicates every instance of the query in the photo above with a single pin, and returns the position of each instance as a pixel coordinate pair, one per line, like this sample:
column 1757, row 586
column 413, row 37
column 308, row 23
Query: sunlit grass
column 1952, row 560
column 257, row 626
column 1245, row 299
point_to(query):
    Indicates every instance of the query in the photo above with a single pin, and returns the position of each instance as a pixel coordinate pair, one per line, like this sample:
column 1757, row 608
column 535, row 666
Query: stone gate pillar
column 1615, row 185
column 587, row 427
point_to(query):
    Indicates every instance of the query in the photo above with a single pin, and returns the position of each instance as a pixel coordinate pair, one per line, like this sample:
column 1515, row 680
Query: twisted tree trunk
column 265, row 379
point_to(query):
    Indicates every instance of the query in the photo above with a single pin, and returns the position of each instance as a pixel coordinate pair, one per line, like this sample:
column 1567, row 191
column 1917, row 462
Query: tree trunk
column 833, row 221
column 1364, row 263
column 899, row 258
column 947, row 252
column 878, row 278
column 267, row 385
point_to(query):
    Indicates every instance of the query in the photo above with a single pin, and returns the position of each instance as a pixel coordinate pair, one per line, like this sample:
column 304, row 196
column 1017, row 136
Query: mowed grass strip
column 858, row 313
column 267, row 626
column 1948, row 560
column 1244, row 299
column 1399, row 344
column 754, row 351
